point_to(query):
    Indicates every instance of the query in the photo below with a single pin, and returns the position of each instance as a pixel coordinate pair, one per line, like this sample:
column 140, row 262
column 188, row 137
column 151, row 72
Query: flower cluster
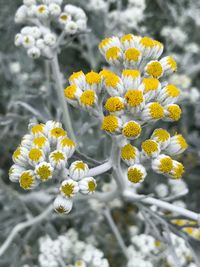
column 155, row 152
column 41, row 39
column 42, row 155
column 70, row 250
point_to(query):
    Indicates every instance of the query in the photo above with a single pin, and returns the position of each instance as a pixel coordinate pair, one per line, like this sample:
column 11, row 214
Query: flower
column 67, row 145
column 114, row 105
column 162, row 164
column 15, row 172
column 150, row 148
column 57, row 159
column 62, row 205
column 177, row 145
column 27, row 180
column 69, row 188
column 78, row 170
column 152, row 112
column 162, row 137
column 111, row 124
column 87, row 185
column 177, row 170
column 136, row 173
column 44, row 171
column 130, row 154
column 131, row 130
column 172, row 112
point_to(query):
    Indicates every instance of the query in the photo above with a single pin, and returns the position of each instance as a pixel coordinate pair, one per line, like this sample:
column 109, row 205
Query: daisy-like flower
column 130, row 154
column 115, row 105
column 135, row 100
column 177, row 145
column 69, row 188
column 168, row 95
column 131, row 78
column 72, row 93
column 108, row 43
column 62, row 205
column 169, row 64
column 177, row 170
column 113, row 84
column 77, row 78
column 57, row 159
column 44, row 171
column 136, row 173
column 15, row 172
column 42, row 11
column 111, row 124
column 88, row 98
column 150, row 87
column 93, row 81
column 172, row 112
column 41, row 142
column 78, row 170
column 162, row 164
column 55, row 133
column 28, row 41
column 114, row 55
column 132, row 57
column 54, row 10
column 152, row 112
column 154, row 69
column 131, row 130
column 64, row 18
column 67, row 145
column 150, row 148
column 162, row 137
column 20, row 156
column 27, row 180
column 35, row 156
column 37, row 129
column 87, row 185
column 80, row 263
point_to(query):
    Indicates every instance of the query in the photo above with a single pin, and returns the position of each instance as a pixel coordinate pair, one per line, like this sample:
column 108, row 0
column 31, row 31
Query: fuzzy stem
column 61, row 97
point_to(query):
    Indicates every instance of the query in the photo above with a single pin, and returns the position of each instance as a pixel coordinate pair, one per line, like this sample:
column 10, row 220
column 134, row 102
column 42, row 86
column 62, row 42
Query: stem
column 61, row 97
column 130, row 195
column 21, row 226
column 115, row 231
column 100, row 169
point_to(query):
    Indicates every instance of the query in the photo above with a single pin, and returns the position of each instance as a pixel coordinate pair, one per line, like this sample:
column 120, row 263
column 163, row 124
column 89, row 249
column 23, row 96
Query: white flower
column 153, row 111
column 20, row 156
column 67, row 145
column 177, row 145
column 162, row 137
column 162, row 164
column 18, row 39
column 64, row 18
column 71, row 27
column 21, row 14
column 27, row 141
column 15, row 172
column 150, row 148
column 131, row 130
column 130, row 154
column 50, row 39
column 35, row 156
column 44, row 171
column 87, row 185
column 57, row 159
column 34, row 52
column 78, row 170
column 54, row 10
column 162, row 190
column 27, row 180
column 42, row 11
column 136, row 173
column 40, row 44
column 28, row 41
column 69, row 188
column 29, row 2
column 62, row 205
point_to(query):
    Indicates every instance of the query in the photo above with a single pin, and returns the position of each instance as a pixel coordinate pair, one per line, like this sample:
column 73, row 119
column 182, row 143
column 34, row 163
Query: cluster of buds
column 157, row 153
column 40, row 39
column 43, row 155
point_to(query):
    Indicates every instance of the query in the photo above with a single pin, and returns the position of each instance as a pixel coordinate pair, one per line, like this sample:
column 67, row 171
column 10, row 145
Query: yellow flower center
column 147, row 42
column 128, row 37
column 112, row 80
column 132, row 129
column 161, row 134
column 17, row 153
column 57, row 132
column 67, row 142
column 105, row 73
column 70, row 91
column 35, row 154
column 156, row 111
column 128, row 152
column 150, row 84
column 38, row 128
column 91, row 186
column 113, row 53
column 76, row 75
column 181, row 141
column 41, row 9
column 110, row 123
column 154, row 69
column 44, row 172
column 132, row 54
column 60, row 209
column 178, row 171
column 172, row 90
column 134, row 175
column 26, row 180
column 174, row 112
column 131, row 73
column 105, row 42
column 172, row 63
column 134, row 97
column 57, row 156
column 93, row 78
column 166, row 165
column 64, row 17
column 67, row 189
column 39, row 141
column 88, row 98
column 80, row 165
column 114, row 104
column 149, row 147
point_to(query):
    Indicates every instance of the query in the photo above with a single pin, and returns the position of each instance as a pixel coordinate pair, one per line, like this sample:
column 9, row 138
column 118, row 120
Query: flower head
column 136, row 173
